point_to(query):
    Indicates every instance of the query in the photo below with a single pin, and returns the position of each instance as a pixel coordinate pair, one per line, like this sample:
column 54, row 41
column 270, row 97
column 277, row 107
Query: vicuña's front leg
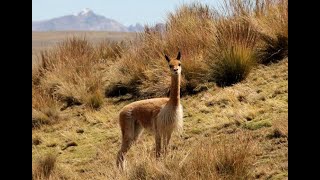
column 158, row 145
column 166, row 140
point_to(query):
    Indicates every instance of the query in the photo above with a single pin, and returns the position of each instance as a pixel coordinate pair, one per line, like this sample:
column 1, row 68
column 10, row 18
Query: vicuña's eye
column 170, row 66
column 179, row 64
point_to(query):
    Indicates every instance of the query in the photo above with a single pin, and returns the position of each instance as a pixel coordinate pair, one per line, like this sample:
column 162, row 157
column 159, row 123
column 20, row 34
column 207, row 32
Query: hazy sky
column 124, row 11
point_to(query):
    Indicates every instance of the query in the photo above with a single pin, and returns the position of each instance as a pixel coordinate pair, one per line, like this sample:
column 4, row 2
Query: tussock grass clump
column 72, row 71
column 44, row 166
column 45, row 108
column 233, row 162
column 270, row 19
column 45, row 116
column 190, row 29
column 111, row 50
column 73, row 52
column 230, row 158
column 195, row 74
column 149, row 169
column 232, row 56
column 272, row 23
column 233, row 66
column 95, row 100
column 39, row 119
column 274, row 49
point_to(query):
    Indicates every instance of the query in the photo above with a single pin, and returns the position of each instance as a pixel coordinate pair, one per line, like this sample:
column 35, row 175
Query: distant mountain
column 136, row 28
column 86, row 20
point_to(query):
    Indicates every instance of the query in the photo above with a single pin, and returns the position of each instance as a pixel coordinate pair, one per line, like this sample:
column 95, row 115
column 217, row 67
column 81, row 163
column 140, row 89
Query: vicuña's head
column 174, row 64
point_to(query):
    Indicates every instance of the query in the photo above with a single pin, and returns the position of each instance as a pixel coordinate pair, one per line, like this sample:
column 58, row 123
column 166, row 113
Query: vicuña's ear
column 179, row 56
column 167, row 58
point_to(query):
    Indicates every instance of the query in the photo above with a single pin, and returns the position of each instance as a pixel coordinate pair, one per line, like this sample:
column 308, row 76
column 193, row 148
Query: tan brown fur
column 159, row 115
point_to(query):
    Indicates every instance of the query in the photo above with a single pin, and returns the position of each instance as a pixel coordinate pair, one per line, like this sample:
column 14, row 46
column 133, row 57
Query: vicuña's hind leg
column 126, row 144
column 127, row 125
column 131, row 130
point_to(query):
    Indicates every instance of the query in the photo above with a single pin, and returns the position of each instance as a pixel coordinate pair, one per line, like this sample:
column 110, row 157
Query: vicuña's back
column 144, row 112
column 160, row 115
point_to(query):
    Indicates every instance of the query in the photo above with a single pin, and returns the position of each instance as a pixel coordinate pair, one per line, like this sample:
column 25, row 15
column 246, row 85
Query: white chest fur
column 170, row 118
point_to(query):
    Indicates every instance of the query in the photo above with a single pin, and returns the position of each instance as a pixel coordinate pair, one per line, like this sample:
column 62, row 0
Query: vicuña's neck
column 175, row 90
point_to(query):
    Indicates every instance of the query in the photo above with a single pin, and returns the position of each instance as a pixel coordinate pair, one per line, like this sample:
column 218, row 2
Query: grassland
column 256, row 109
column 234, row 93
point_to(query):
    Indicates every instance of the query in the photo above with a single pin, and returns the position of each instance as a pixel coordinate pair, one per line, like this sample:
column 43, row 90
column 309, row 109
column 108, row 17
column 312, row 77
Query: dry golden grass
column 269, row 18
column 46, row 40
column 272, row 18
column 233, row 54
column 142, row 68
column 227, row 158
column 207, row 159
column 70, row 73
column 215, row 127
column 95, row 101
column 44, row 166
column 45, row 109
column 272, row 24
column 111, row 50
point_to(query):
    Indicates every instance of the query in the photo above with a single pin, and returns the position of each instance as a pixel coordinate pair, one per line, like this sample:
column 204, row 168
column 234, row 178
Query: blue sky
column 124, row 11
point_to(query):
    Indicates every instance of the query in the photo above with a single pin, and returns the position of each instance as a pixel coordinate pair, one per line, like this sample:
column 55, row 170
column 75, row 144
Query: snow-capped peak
column 84, row 12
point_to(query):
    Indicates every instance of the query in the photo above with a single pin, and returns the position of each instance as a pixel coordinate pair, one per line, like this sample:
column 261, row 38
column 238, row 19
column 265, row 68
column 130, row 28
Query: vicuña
column 160, row 115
